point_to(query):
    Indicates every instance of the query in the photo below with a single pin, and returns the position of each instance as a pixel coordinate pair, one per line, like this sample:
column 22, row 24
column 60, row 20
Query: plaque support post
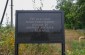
column 16, row 48
column 63, row 48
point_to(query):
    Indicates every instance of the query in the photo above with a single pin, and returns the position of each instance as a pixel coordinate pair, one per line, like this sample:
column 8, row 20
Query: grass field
column 73, row 46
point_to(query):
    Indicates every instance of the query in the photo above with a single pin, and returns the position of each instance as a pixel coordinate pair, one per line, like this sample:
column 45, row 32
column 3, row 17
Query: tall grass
column 73, row 47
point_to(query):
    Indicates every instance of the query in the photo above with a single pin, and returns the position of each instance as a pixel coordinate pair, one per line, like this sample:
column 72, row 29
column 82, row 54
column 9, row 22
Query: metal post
column 63, row 48
column 4, row 12
column 16, row 48
column 11, row 13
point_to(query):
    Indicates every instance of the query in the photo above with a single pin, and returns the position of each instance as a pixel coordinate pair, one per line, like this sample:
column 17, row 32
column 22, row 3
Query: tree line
column 74, row 11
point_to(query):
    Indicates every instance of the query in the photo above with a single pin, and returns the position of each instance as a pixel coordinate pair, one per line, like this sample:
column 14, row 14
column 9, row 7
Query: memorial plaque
column 39, row 26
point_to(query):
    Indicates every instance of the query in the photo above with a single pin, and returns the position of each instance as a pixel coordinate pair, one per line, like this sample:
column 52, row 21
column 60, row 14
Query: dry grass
column 71, row 35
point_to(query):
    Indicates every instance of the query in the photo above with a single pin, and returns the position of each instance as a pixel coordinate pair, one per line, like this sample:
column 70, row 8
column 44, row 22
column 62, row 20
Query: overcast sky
column 24, row 5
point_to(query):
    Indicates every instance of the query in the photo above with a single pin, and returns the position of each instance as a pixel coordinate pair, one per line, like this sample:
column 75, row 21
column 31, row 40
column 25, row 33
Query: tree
column 74, row 13
column 81, row 10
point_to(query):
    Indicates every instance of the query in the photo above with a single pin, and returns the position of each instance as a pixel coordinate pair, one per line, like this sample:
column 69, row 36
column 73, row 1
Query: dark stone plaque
column 39, row 26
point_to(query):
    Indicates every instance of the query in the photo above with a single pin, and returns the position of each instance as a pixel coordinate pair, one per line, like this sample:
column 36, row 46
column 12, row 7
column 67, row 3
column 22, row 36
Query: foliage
column 77, row 48
column 74, row 13
column 6, row 41
column 81, row 10
column 38, row 49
